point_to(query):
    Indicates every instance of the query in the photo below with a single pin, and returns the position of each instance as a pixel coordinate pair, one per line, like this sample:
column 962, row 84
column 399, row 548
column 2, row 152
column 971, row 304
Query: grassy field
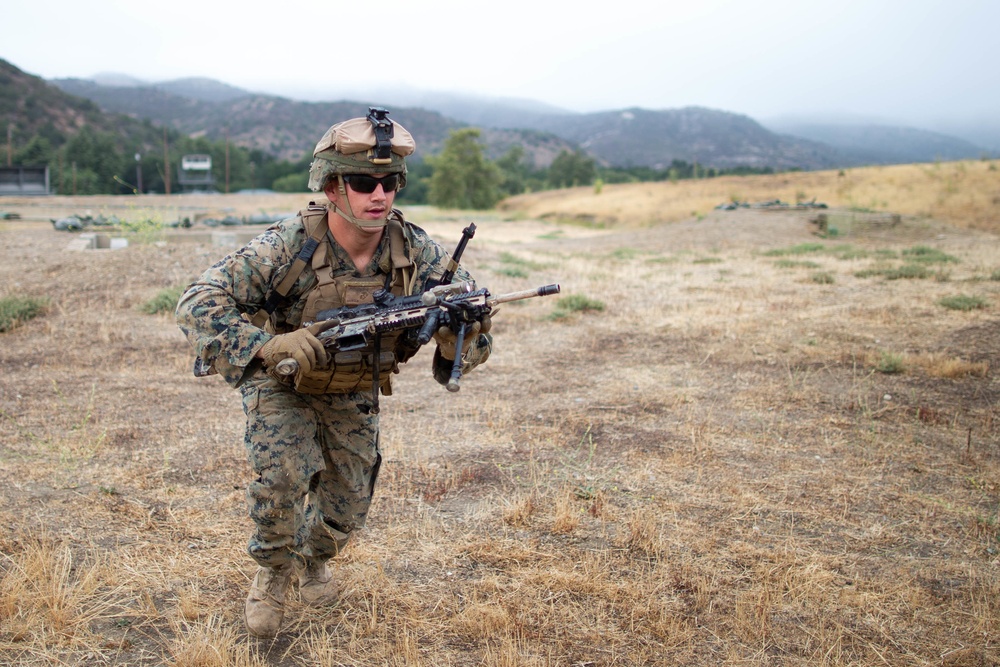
column 729, row 441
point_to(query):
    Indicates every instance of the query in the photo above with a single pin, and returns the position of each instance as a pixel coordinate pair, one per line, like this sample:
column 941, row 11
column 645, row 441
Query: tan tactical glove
column 446, row 338
column 300, row 345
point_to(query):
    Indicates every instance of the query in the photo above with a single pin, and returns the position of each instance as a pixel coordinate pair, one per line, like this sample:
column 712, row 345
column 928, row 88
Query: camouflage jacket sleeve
column 431, row 260
column 215, row 310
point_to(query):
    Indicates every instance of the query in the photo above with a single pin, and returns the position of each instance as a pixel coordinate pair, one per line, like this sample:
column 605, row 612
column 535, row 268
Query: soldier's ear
column 332, row 189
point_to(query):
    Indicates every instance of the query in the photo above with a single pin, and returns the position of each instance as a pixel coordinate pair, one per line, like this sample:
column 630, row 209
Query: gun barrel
column 545, row 290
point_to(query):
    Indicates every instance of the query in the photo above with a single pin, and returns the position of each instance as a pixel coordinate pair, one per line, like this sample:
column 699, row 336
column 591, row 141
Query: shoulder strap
column 313, row 218
column 397, row 243
column 399, row 251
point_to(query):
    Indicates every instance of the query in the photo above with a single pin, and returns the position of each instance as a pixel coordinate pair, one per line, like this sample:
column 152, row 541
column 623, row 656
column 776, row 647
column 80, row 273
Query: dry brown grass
column 718, row 468
column 963, row 194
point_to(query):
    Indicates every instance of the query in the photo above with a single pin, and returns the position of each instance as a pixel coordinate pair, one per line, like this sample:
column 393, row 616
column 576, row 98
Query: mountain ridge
column 632, row 137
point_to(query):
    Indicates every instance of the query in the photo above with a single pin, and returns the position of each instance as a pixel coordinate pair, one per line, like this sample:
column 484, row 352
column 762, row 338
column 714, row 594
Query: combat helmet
column 370, row 145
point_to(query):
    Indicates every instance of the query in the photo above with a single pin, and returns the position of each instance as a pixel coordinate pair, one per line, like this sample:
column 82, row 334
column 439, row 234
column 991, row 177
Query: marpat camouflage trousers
column 315, row 459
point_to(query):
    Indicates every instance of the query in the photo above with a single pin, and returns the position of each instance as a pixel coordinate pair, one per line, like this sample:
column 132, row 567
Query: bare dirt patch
column 711, row 470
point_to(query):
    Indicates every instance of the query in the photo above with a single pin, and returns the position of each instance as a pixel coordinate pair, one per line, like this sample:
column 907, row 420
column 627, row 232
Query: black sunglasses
column 366, row 184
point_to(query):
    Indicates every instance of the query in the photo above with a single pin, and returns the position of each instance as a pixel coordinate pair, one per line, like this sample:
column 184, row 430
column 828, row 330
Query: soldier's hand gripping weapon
column 455, row 305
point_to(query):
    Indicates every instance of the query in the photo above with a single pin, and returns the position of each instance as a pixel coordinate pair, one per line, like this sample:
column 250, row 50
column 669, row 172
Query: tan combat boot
column 316, row 584
column 266, row 602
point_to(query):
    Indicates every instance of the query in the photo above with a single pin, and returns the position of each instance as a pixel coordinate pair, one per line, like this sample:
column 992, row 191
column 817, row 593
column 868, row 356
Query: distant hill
column 633, row 137
column 284, row 128
column 720, row 138
column 637, row 137
column 881, row 144
column 980, row 130
column 487, row 112
column 34, row 108
column 196, row 88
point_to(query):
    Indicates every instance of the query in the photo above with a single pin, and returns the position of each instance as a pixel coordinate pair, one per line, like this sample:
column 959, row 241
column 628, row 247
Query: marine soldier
column 312, row 439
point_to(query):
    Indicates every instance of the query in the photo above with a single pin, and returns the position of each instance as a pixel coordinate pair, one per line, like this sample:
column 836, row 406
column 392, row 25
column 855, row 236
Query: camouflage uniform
column 315, row 458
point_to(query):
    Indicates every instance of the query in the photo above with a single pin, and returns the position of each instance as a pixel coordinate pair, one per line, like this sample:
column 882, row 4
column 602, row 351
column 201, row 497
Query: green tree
column 291, row 183
column 571, row 169
column 38, row 152
column 463, row 177
column 92, row 160
column 515, row 170
column 418, row 179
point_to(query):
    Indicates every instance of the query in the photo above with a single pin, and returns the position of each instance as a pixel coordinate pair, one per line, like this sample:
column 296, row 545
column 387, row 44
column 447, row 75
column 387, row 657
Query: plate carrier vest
column 345, row 371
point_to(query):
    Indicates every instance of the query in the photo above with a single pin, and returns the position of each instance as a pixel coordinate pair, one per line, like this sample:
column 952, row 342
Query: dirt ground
column 755, row 454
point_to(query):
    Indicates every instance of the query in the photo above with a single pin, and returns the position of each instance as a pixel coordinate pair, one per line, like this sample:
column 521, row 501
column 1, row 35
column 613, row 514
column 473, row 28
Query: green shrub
column 963, row 302
column 164, row 302
column 801, row 249
column 849, row 253
column 906, row 271
column 512, row 272
column 822, row 278
column 795, row 264
column 890, row 363
column 575, row 303
column 513, row 260
column 624, row 253
column 927, row 255
column 143, row 229
column 15, row 310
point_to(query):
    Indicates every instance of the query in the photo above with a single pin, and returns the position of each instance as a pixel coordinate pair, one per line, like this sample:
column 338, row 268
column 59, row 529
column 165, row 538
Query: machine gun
column 455, row 305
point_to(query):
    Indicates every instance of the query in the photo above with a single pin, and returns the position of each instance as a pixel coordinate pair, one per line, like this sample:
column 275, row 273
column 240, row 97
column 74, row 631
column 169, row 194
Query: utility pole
column 138, row 173
column 166, row 163
column 10, row 144
column 227, row 159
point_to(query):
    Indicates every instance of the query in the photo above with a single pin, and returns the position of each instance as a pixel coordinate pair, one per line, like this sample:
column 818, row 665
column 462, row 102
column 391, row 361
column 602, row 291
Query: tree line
column 460, row 176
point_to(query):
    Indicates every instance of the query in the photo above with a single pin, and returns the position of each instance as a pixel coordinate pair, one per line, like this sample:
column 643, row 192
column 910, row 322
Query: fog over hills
column 623, row 137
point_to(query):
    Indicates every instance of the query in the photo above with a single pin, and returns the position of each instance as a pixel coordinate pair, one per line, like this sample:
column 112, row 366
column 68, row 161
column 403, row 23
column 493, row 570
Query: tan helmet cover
column 349, row 148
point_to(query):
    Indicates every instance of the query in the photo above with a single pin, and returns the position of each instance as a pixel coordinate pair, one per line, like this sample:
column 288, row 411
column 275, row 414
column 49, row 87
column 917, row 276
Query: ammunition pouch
column 348, row 372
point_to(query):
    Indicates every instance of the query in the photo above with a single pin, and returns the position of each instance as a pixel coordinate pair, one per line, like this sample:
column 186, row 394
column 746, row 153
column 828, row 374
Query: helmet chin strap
column 348, row 214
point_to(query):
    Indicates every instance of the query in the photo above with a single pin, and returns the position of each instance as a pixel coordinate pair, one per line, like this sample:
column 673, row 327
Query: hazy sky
column 912, row 60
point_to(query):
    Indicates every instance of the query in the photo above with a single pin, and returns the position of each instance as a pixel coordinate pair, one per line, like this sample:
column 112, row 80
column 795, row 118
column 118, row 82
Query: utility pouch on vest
column 347, row 372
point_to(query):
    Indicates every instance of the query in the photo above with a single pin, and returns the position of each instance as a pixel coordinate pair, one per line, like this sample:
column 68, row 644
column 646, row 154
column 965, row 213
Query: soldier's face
column 374, row 205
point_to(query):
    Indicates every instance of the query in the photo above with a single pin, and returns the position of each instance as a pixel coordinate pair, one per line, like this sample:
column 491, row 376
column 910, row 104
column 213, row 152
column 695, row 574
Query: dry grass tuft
column 50, row 598
column 210, row 642
column 518, row 511
column 937, row 365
